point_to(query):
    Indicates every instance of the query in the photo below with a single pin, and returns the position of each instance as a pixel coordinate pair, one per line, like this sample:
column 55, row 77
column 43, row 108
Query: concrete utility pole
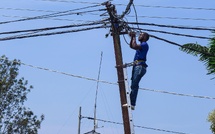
column 119, row 62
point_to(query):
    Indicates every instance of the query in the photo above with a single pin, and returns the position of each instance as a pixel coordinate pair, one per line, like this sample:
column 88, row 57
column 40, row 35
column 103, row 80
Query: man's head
column 143, row 37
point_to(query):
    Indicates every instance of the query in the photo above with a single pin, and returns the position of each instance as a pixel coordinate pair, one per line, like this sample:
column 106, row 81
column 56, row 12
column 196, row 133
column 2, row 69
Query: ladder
column 128, row 98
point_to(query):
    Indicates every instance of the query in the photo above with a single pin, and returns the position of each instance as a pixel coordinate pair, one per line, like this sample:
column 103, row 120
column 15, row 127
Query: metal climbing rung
column 128, row 100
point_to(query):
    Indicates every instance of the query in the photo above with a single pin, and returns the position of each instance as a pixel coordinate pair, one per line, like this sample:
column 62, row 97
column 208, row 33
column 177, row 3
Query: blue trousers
column 137, row 73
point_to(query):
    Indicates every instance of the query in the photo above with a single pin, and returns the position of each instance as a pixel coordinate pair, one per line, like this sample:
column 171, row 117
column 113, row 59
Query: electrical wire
column 127, row 9
column 136, row 17
column 61, row 32
column 179, row 94
column 125, row 39
column 71, row 1
column 22, row 9
column 138, row 126
column 85, row 29
column 139, row 5
column 50, row 33
column 32, row 10
column 33, row 31
column 178, row 34
column 48, row 15
column 54, row 28
column 59, row 19
column 176, row 44
column 173, row 18
column 134, row 23
column 76, row 13
column 173, row 7
column 173, row 26
column 106, row 82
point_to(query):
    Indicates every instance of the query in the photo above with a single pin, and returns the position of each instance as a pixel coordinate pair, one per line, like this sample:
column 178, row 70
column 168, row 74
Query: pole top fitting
column 107, row 3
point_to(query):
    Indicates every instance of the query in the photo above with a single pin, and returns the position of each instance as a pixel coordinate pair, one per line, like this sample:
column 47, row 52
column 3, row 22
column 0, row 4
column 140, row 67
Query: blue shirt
column 142, row 53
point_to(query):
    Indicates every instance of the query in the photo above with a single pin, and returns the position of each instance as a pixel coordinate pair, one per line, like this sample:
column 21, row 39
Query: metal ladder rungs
column 128, row 101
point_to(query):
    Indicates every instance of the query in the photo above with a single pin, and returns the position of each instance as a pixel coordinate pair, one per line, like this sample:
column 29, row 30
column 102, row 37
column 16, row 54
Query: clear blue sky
column 59, row 97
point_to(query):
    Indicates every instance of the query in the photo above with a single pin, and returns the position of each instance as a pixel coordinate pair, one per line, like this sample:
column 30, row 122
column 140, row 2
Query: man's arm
column 133, row 43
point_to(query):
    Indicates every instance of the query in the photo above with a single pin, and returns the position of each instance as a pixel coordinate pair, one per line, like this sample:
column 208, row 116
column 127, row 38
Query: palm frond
column 194, row 49
column 206, row 54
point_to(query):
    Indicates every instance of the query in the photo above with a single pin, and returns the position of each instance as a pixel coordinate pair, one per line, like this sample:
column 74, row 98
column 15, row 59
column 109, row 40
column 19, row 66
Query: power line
column 127, row 9
column 138, row 126
column 54, row 28
column 77, row 13
column 21, row 9
column 150, row 6
column 176, row 44
column 59, row 72
column 135, row 23
column 51, row 33
column 48, row 15
column 106, row 82
column 135, row 11
column 33, row 10
column 174, row 26
column 174, row 18
column 71, row 1
column 51, row 18
column 178, row 34
column 179, row 94
column 173, row 7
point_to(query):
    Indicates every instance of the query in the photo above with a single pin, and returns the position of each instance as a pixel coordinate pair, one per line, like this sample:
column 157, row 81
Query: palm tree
column 206, row 54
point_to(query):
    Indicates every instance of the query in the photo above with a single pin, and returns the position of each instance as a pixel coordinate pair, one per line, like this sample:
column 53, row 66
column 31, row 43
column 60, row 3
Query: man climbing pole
column 139, row 66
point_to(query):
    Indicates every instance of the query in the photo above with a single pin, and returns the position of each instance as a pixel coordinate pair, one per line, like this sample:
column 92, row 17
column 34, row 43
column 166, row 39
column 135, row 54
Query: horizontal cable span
column 59, row 72
column 20, row 9
column 178, row 94
column 24, row 9
column 174, row 18
column 178, row 34
column 59, row 19
column 179, row 45
column 173, row 7
column 80, row 2
column 150, row 6
column 54, row 28
column 76, row 13
column 138, row 126
column 48, row 15
column 134, row 23
column 111, row 83
column 172, row 26
column 50, row 33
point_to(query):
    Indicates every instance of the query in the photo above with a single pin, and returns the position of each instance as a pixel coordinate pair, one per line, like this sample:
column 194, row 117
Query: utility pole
column 79, row 121
column 119, row 62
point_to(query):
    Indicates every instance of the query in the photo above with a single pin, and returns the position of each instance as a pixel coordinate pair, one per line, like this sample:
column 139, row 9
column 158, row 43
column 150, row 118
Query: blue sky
column 59, row 96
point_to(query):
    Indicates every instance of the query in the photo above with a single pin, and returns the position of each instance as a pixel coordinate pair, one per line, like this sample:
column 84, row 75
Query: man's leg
column 137, row 74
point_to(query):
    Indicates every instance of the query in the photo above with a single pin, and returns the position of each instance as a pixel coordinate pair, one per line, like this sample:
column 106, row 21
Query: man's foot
column 132, row 107
column 126, row 105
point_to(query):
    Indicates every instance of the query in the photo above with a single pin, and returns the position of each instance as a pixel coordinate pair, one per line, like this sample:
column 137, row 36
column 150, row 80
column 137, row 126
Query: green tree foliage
column 206, row 54
column 15, row 118
column 211, row 118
